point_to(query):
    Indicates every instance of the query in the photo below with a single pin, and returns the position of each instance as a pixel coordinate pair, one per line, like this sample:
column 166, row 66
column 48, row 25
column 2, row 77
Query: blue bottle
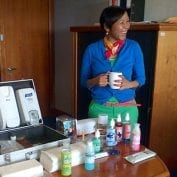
column 111, row 136
column 89, row 156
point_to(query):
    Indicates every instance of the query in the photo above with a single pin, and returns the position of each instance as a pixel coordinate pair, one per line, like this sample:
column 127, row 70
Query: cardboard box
column 66, row 125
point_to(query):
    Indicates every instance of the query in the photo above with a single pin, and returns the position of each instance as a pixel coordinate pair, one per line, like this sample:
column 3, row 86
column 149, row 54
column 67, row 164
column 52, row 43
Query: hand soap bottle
column 111, row 139
column 97, row 141
column 126, row 129
column 119, row 128
column 136, row 137
column 89, row 156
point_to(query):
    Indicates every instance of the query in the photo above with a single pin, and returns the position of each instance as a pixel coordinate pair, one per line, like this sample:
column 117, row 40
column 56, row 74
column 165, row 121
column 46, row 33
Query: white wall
column 70, row 13
column 158, row 10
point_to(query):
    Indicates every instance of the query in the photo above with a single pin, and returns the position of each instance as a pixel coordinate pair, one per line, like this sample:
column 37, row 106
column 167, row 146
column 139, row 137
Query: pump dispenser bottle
column 111, row 137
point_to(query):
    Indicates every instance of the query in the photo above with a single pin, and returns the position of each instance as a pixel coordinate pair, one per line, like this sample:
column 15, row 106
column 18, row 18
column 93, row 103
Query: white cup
column 114, row 76
column 103, row 119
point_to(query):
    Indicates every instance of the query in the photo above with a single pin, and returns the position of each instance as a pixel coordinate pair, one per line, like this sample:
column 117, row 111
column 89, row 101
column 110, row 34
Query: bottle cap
column 119, row 118
column 97, row 133
column 127, row 117
column 112, row 123
column 137, row 125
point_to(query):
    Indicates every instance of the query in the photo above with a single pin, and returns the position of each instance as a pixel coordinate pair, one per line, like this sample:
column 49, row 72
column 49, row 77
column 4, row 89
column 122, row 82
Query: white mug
column 103, row 119
column 113, row 76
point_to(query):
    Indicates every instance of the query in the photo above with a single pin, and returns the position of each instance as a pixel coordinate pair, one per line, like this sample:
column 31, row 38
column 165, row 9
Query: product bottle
column 136, row 137
column 126, row 129
column 66, row 166
column 102, row 123
column 119, row 128
column 97, row 141
column 111, row 137
column 89, row 156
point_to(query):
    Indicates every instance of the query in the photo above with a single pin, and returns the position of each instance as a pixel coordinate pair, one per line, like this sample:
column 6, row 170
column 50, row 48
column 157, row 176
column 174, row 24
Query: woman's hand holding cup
column 115, row 80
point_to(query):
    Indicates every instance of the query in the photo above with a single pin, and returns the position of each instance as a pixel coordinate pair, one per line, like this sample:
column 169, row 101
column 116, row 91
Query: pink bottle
column 119, row 128
column 126, row 129
column 136, row 137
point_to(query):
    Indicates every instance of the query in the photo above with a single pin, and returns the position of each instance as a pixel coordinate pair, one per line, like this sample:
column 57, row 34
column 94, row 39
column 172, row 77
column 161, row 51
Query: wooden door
column 25, row 49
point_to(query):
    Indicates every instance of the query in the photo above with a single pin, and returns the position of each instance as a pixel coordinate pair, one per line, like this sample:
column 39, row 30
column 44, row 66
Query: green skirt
column 95, row 109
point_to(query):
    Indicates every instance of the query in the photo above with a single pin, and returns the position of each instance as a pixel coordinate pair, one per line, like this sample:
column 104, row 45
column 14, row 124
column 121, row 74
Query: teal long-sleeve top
column 130, row 62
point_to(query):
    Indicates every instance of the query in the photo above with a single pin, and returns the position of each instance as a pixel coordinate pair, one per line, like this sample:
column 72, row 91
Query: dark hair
column 110, row 15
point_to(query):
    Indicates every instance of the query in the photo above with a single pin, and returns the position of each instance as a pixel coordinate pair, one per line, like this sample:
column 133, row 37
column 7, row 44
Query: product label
column 111, row 137
column 119, row 133
column 127, row 131
column 90, row 159
column 66, row 163
column 135, row 147
column 136, row 139
column 97, row 145
column 89, row 162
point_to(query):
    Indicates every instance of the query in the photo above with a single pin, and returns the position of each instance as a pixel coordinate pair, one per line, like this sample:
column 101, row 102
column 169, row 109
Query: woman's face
column 119, row 28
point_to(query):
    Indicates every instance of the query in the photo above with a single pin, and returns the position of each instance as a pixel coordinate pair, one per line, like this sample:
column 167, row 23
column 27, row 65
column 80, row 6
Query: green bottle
column 97, row 141
column 66, row 160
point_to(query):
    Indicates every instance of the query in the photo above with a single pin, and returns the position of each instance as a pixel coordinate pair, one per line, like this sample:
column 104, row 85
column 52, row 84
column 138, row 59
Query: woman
column 114, row 53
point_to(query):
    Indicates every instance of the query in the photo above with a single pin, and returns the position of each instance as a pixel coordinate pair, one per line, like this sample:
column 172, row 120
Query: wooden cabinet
column 158, row 114
column 163, row 129
column 25, row 45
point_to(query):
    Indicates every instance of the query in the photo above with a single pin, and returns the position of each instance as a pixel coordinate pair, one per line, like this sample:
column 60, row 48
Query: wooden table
column 117, row 166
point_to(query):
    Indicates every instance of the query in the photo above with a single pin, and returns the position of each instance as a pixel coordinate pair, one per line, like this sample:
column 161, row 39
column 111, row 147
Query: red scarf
column 112, row 49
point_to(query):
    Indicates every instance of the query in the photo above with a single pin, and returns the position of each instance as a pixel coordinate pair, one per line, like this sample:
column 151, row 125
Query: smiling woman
column 113, row 53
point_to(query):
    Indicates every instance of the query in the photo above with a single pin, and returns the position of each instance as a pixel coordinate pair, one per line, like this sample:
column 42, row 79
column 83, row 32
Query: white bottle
column 136, row 137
